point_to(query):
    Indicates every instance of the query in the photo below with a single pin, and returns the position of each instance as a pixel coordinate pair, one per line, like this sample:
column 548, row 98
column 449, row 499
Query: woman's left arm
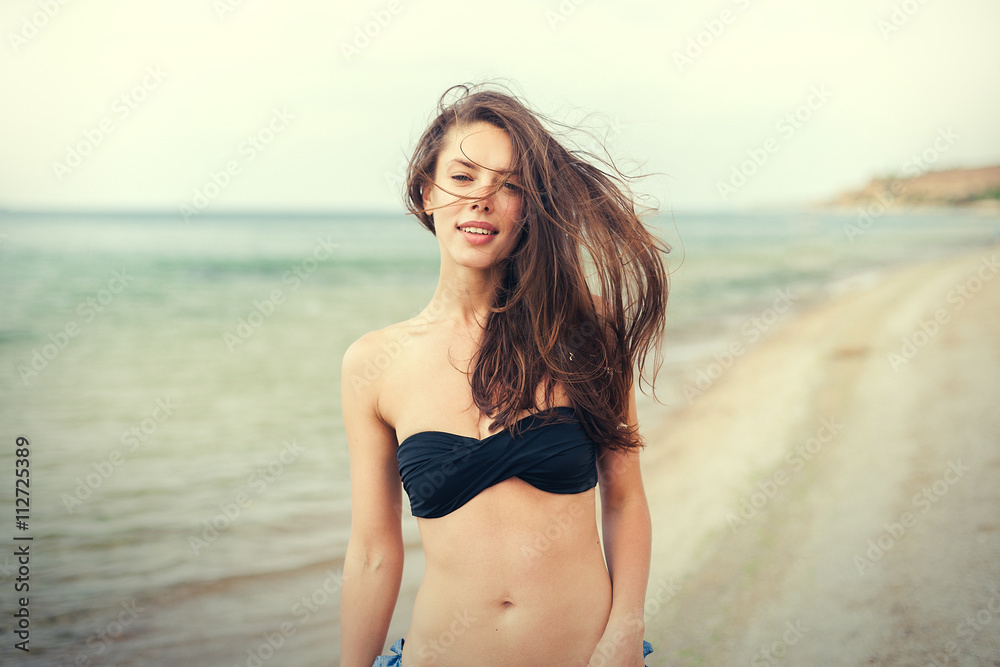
column 627, row 544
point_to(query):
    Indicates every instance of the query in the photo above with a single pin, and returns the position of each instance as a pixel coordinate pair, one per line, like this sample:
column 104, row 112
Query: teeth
column 476, row 230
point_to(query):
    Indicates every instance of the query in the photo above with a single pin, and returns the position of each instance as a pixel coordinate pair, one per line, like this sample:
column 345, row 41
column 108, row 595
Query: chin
column 476, row 260
column 472, row 257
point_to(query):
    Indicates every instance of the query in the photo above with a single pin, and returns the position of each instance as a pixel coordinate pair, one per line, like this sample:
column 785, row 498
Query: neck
column 463, row 296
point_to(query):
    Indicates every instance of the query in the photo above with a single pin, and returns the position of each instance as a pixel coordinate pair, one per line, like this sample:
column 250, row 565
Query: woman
column 507, row 400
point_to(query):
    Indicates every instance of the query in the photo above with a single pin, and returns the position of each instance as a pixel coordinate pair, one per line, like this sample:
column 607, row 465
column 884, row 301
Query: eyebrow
column 469, row 165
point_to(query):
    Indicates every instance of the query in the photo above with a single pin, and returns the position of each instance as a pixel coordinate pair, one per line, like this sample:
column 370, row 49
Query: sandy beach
column 821, row 500
column 833, row 498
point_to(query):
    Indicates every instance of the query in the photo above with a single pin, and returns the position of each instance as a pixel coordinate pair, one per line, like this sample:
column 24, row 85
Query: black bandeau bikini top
column 443, row 471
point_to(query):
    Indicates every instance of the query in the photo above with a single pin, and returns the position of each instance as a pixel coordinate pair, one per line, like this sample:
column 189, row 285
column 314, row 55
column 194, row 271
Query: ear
column 425, row 194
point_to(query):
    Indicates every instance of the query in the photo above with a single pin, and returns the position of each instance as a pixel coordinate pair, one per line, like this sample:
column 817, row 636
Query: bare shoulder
column 370, row 356
column 391, row 340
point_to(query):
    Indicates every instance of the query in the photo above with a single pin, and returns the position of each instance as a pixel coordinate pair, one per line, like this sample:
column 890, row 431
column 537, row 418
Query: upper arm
column 376, row 497
column 619, row 475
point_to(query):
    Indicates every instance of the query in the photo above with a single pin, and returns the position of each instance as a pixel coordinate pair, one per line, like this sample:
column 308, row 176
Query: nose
column 483, row 201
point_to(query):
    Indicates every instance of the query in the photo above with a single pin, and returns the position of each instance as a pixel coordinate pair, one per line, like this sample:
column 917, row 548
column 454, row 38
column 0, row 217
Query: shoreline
column 744, row 481
column 222, row 605
column 698, row 467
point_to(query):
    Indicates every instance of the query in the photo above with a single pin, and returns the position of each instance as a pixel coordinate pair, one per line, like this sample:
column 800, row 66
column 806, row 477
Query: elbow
column 625, row 503
column 379, row 560
column 374, row 557
column 634, row 513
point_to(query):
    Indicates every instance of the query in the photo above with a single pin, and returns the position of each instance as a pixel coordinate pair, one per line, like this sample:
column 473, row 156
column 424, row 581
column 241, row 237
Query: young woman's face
column 475, row 224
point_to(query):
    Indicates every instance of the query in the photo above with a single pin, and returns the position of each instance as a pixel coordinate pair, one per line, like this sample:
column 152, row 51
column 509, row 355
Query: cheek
column 512, row 206
column 441, row 204
column 515, row 217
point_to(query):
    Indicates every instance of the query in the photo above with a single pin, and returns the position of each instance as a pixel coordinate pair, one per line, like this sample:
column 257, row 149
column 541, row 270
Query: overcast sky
column 122, row 105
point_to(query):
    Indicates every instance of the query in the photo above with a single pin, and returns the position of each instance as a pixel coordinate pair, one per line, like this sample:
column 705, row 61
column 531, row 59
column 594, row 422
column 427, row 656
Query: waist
column 562, row 629
column 515, row 577
column 510, row 529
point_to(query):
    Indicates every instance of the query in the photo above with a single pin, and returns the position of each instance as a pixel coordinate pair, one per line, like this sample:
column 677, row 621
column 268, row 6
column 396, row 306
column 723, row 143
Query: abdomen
column 516, row 576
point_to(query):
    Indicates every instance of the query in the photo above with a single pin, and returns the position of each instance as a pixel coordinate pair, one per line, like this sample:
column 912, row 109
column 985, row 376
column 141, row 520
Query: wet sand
column 834, row 497
column 825, row 503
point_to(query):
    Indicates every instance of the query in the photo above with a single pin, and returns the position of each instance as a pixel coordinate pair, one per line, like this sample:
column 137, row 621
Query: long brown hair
column 545, row 327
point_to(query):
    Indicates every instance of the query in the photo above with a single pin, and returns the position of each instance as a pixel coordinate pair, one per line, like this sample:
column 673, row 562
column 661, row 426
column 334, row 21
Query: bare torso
column 514, row 576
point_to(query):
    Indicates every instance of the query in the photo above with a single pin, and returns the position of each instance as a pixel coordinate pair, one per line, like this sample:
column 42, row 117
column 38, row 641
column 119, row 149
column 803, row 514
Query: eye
column 513, row 187
column 461, row 178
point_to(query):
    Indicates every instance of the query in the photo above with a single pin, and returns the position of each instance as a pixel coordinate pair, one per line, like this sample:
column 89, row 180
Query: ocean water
column 179, row 385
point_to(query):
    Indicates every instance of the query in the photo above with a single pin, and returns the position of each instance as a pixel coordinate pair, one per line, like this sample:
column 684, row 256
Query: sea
column 173, row 390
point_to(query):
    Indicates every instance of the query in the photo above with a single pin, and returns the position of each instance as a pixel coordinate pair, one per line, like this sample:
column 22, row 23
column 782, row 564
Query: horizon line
column 259, row 212
column 84, row 211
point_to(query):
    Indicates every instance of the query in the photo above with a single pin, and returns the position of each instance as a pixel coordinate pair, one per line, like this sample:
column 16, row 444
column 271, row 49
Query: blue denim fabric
column 391, row 660
column 397, row 659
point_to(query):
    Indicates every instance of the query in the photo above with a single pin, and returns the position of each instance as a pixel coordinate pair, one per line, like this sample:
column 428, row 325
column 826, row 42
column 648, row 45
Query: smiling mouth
column 478, row 230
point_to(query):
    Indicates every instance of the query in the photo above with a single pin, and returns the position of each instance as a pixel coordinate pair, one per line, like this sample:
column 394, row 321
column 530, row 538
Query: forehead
column 480, row 144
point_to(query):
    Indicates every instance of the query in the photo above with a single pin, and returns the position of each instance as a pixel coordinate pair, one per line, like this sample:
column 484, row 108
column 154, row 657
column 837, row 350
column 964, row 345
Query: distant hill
column 953, row 187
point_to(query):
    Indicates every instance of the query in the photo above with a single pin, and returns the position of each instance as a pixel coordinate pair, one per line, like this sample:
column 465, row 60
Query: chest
column 428, row 388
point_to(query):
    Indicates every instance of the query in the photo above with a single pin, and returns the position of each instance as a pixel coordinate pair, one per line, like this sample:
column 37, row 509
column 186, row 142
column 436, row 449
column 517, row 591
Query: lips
column 478, row 232
column 478, row 227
